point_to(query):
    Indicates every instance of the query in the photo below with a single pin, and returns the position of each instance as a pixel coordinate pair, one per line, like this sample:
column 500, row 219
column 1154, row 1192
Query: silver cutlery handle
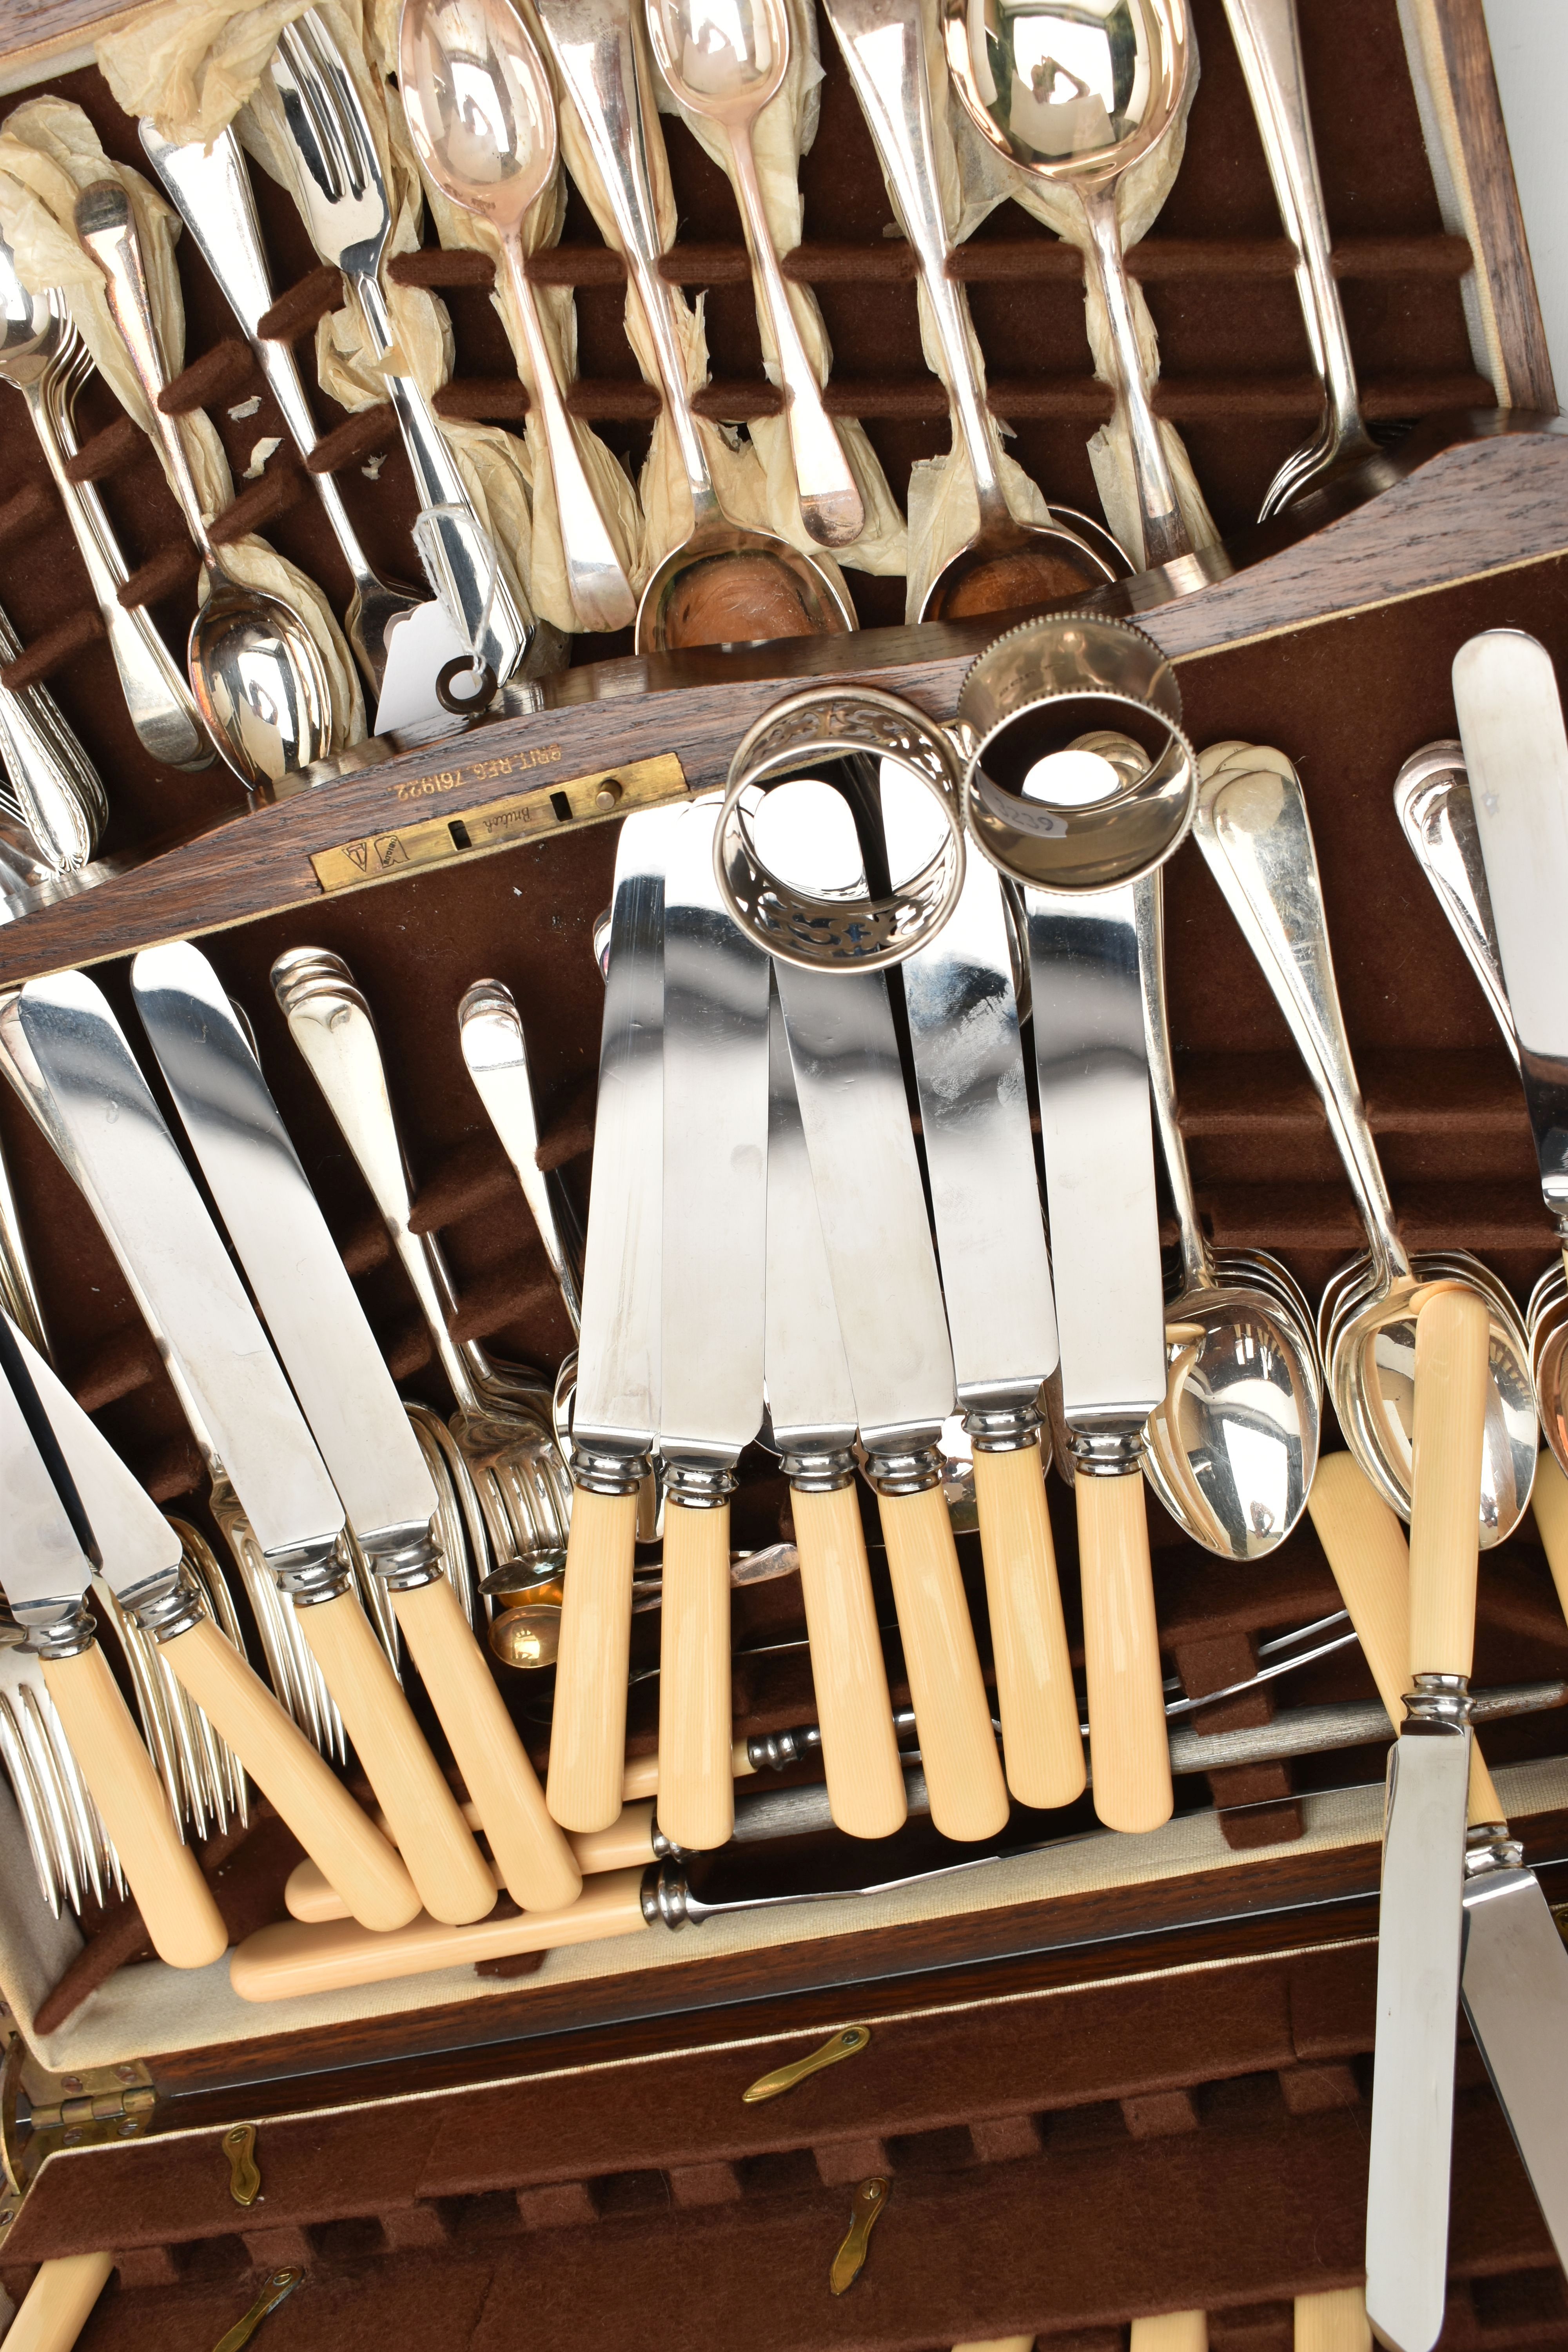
column 50, row 778
column 883, row 43
column 497, row 1056
column 1149, row 914
column 212, row 192
column 1253, row 830
column 592, row 44
column 1268, row 37
column 19, row 1293
column 1165, row 535
column 332, row 1025
column 1432, row 799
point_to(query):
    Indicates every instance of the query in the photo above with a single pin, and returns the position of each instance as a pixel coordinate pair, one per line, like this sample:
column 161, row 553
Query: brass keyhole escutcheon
column 244, row 2177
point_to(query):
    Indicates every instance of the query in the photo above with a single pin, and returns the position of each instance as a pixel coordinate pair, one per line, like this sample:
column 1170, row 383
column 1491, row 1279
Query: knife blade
column 811, row 1423
column 712, row 1261
column 1420, row 1918
column 48, row 1572
column 88, row 1094
column 997, row 1280
column 1516, row 752
column 849, row 1082
column 615, row 1415
column 357, row 1416
column 1097, row 1134
column 143, row 1566
column 1514, row 1971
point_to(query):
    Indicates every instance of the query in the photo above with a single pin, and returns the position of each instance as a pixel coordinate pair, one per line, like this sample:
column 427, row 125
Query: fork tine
column 30, row 1805
column 342, row 101
column 302, row 72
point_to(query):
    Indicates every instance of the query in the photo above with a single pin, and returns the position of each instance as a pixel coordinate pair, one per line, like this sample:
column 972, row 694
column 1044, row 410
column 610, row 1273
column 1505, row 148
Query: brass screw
column 70, row 2082
column 125, row 2073
column 72, row 2137
column 609, row 795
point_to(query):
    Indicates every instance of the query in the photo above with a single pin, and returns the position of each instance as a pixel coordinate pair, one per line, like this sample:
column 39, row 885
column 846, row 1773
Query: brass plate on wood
column 477, row 832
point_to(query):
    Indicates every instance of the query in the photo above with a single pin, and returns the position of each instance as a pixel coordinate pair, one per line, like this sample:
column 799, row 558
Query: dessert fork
column 343, row 198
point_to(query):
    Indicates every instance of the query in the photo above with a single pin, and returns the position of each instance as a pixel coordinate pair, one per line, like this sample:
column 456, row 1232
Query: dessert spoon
column 728, row 69
column 479, row 112
column 1232, row 1451
column 768, row 589
column 1253, row 830
column 1075, row 97
column 1007, row 563
column 256, row 671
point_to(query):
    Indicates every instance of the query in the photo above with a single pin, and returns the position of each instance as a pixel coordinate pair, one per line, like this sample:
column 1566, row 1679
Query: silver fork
column 344, row 199
column 71, row 1850
column 52, row 789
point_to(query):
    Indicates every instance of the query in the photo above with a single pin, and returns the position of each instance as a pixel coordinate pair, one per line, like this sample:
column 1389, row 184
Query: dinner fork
column 342, row 197
column 42, row 355
column 72, row 1852
column 51, row 789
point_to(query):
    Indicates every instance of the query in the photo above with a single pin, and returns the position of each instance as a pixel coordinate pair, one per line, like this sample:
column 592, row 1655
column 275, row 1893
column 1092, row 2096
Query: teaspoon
column 721, row 584
column 480, row 114
column 1007, row 565
column 256, row 671
column 1075, row 96
column 1232, row 1451
column 728, row 66
column 1253, row 830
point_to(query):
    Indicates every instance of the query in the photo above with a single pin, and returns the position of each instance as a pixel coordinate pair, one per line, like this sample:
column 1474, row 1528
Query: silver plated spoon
column 256, row 671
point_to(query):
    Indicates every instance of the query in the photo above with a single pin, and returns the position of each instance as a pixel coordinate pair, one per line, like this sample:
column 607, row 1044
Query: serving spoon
column 1253, row 830
column 721, row 584
column 1007, row 563
column 256, row 671
column 481, row 114
column 1075, row 97
column 1232, row 1451
column 728, row 66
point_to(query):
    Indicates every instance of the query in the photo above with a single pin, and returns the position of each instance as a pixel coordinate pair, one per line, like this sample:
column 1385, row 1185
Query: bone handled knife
column 849, row 1082
column 1421, row 1913
column 143, row 1566
column 86, row 1091
column 712, row 1263
column 356, row 1415
column 1097, row 1130
column 997, row 1280
column 495, row 1052
column 1516, row 752
column 811, row 1418
column 616, row 1416
column 47, row 1572
column 1514, row 1970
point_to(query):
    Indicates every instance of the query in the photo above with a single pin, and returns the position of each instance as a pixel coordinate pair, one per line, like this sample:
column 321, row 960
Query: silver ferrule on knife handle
column 818, row 1470
column 165, row 1606
column 599, row 1470
column 404, row 1559
column 1489, row 1846
column 1107, row 1452
column 55, row 1630
column 1002, row 1429
column 698, row 1485
column 313, row 1573
column 912, row 1470
column 1439, row 1704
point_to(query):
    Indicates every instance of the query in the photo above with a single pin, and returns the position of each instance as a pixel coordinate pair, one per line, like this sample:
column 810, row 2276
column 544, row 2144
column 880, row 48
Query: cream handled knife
column 811, row 1422
column 47, row 1572
column 616, row 1417
column 1097, row 1130
column 329, row 1353
column 86, row 1091
column 1514, row 1973
column 713, row 1270
column 997, row 1280
column 142, row 1564
column 1421, row 1913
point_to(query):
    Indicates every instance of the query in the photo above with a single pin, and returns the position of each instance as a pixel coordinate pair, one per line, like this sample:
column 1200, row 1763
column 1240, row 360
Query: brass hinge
column 41, row 2113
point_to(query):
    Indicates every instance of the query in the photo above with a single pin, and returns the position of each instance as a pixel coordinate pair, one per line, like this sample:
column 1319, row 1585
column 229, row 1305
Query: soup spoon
column 480, row 114
column 1074, row 96
column 1007, row 565
column 727, row 67
column 1253, row 830
column 256, row 671
column 721, row 584
column 1232, row 1451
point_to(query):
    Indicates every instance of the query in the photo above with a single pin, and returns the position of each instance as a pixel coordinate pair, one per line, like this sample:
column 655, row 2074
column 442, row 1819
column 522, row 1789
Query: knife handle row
column 588, row 1727
column 184, row 1924
column 861, row 1760
column 696, row 1787
column 1453, row 1333
column 947, row 1689
column 1365, row 1549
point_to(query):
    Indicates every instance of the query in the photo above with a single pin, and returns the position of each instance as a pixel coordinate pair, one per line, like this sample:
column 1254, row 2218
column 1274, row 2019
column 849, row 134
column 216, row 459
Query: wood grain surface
column 1478, row 493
